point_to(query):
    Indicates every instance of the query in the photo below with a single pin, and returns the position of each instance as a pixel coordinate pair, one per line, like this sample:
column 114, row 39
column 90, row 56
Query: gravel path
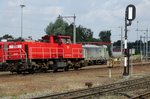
column 27, row 86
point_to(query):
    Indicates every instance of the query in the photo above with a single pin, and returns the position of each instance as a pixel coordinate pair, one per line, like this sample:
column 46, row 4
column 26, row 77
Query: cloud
column 95, row 14
column 52, row 10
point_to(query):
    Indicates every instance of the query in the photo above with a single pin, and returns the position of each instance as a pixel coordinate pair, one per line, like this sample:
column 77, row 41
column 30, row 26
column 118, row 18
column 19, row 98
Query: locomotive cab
column 65, row 40
column 57, row 39
column 67, row 53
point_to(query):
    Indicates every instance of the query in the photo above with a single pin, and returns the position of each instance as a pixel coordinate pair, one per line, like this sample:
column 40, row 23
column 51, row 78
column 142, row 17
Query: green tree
column 80, row 32
column 105, row 36
column 50, row 29
column 7, row 36
column 59, row 26
column 83, row 34
column 69, row 30
column 117, row 43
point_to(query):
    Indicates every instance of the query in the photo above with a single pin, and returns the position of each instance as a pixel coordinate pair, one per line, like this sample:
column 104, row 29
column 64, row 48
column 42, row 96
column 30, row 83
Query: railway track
column 88, row 68
column 143, row 95
column 97, row 91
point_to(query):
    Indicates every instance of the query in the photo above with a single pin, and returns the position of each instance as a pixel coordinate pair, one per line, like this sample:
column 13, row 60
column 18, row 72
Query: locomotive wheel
column 55, row 69
column 31, row 71
column 85, row 63
column 66, row 68
column 76, row 68
column 44, row 70
column 19, row 72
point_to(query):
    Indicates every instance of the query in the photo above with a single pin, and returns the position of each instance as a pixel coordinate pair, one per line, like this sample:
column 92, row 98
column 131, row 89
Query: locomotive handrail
column 25, row 54
column 43, row 53
column 4, row 56
column 61, row 52
column 18, row 51
column 55, row 52
column 76, row 52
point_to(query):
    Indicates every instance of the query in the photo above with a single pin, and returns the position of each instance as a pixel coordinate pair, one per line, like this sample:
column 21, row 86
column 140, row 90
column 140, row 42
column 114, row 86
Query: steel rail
column 113, row 90
column 142, row 95
column 99, row 89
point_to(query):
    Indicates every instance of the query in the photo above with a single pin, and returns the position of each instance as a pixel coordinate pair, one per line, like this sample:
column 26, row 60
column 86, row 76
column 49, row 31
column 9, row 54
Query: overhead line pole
column 74, row 26
column 22, row 6
column 121, row 41
column 146, row 51
column 137, row 36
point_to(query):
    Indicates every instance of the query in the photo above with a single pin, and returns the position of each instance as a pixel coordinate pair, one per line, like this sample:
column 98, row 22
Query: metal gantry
column 145, row 38
column 74, row 26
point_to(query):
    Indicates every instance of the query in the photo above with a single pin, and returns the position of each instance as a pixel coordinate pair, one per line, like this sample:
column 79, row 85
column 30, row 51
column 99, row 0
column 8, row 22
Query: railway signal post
column 130, row 14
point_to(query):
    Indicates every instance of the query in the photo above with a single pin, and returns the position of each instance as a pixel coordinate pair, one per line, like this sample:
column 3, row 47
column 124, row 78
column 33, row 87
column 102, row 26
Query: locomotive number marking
column 15, row 46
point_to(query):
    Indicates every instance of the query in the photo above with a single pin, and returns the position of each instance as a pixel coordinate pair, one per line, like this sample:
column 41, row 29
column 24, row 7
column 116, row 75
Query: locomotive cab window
column 57, row 40
column 0, row 46
column 45, row 39
column 66, row 41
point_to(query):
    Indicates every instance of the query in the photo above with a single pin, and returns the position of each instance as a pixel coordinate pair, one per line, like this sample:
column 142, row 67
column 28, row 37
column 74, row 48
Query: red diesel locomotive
column 51, row 53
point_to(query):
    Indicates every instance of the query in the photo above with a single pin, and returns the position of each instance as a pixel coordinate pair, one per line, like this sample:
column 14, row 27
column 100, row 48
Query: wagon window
column 0, row 46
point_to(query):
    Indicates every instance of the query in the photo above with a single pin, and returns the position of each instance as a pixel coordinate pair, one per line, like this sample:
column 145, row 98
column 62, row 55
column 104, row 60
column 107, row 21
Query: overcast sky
column 97, row 15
